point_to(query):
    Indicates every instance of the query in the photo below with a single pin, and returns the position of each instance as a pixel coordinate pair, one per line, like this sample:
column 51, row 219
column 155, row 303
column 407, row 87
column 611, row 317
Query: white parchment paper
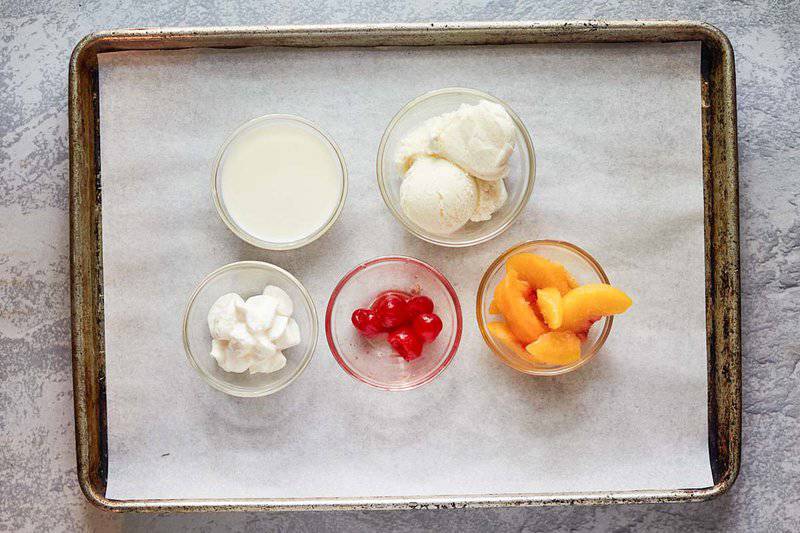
column 617, row 131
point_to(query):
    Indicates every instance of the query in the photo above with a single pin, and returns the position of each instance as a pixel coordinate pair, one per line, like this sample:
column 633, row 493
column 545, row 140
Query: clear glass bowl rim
column 231, row 223
column 482, row 287
column 531, row 177
column 387, row 259
column 242, row 391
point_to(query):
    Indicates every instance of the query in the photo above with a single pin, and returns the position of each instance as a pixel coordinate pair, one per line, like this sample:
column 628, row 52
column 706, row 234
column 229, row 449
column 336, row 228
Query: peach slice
column 551, row 307
column 587, row 303
column 502, row 333
column 512, row 300
column 556, row 348
column 494, row 306
column 540, row 273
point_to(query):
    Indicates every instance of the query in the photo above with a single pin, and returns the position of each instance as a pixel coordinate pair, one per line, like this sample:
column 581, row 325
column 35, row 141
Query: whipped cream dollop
column 473, row 144
column 250, row 336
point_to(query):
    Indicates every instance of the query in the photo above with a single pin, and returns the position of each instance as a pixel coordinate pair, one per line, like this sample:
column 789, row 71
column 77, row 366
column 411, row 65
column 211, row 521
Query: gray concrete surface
column 38, row 488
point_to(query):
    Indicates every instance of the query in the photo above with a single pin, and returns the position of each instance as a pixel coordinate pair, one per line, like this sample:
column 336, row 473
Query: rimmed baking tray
column 720, row 172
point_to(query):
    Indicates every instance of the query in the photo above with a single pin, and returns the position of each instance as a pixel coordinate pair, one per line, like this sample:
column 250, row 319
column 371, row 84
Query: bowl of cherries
column 393, row 323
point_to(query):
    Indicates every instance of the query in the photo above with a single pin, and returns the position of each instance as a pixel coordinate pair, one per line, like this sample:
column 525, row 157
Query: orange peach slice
column 587, row 303
column 513, row 303
column 540, row 273
column 556, row 348
column 494, row 307
column 502, row 333
column 551, row 307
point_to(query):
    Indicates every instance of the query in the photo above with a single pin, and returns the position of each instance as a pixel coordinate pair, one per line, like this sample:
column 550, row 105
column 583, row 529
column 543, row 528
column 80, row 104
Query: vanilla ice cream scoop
column 437, row 195
column 478, row 138
column 492, row 195
column 419, row 141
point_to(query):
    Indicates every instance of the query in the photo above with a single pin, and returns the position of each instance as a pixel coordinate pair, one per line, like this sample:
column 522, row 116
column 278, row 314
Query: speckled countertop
column 38, row 486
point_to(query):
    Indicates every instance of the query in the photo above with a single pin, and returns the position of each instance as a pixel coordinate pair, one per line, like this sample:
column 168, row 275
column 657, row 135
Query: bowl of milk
column 279, row 182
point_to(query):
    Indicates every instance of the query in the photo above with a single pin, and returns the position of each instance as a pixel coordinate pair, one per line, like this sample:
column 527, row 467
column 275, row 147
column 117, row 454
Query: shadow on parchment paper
column 529, row 395
column 446, row 260
column 231, row 416
column 293, row 261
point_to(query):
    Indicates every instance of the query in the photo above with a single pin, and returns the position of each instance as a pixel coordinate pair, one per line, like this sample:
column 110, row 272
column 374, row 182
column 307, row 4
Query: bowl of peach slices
column 546, row 307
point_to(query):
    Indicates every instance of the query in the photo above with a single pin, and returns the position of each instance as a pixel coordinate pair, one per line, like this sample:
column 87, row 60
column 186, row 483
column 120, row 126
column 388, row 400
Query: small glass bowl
column 247, row 278
column 583, row 268
column 372, row 360
column 219, row 200
column 519, row 182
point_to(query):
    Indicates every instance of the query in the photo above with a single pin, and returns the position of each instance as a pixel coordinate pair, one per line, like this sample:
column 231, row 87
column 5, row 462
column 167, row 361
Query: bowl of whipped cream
column 456, row 166
column 250, row 328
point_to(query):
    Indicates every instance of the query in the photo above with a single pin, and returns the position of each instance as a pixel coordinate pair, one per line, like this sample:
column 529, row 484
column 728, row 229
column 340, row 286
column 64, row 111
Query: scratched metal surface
column 37, row 462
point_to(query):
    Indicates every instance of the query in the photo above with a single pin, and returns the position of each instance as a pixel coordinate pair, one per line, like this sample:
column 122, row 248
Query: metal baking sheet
column 377, row 500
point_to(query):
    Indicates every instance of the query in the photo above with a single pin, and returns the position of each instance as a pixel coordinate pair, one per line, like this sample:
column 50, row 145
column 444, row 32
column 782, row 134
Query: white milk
column 280, row 180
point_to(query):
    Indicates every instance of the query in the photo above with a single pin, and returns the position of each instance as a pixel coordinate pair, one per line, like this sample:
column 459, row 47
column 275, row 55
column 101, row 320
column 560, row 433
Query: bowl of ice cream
column 250, row 328
column 456, row 166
